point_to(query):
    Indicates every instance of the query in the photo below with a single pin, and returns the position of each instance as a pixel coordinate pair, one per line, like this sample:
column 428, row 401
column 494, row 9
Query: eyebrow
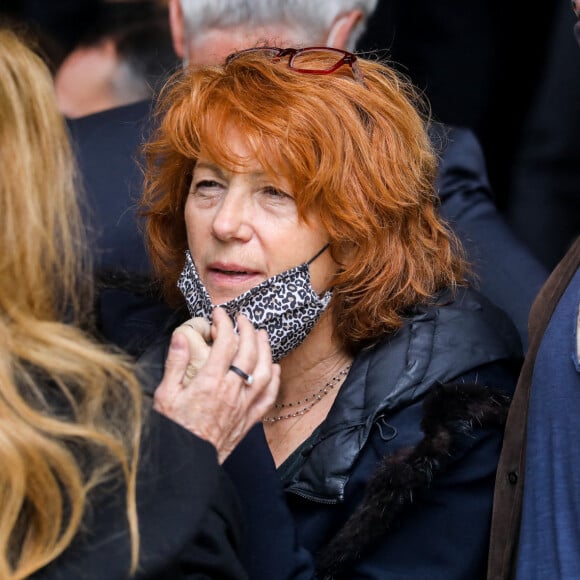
column 257, row 175
column 211, row 167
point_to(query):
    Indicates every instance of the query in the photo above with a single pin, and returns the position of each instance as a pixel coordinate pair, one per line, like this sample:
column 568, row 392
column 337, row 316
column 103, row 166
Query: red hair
column 357, row 155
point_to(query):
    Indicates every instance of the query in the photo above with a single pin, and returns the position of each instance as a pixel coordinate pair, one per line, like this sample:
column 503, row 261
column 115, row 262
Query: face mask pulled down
column 285, row 305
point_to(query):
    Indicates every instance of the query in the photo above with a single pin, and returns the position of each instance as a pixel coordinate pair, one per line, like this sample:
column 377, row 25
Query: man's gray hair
column 313, row 17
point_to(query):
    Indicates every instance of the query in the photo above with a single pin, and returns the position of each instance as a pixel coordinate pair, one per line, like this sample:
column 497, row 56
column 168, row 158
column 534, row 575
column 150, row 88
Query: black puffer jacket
column 437, row 345
column 397, row 482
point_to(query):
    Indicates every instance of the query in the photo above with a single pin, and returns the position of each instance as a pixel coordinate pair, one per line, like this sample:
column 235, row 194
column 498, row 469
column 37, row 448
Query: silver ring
column 248, row 379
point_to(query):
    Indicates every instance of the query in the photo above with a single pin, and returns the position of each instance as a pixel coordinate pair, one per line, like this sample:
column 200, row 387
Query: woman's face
column 242, row 228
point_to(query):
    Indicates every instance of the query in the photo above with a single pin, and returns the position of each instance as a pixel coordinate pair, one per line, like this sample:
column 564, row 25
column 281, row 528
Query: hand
column 208, row 398
column 200, row 337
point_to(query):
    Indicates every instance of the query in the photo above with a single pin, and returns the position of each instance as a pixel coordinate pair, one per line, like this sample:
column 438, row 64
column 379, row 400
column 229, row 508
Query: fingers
column 200, row 326
column 247, row 354
column 225, row 343
column 188, row 350
column 175, row 367
column 217, row 404
column 198, row 334
column 253, row 358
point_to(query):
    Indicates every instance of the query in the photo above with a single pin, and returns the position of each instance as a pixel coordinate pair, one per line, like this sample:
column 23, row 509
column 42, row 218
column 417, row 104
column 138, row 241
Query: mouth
column 231, row 279
column 231, row 270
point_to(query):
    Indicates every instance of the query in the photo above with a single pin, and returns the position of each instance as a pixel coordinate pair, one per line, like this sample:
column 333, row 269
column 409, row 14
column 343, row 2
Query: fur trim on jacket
column 451, row 412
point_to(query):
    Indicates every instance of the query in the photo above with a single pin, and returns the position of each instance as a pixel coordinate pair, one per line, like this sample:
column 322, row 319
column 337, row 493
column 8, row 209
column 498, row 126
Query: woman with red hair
column 296, row 187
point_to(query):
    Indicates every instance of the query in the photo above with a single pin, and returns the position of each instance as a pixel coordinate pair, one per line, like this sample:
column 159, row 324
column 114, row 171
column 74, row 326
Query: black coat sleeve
column 190, row 521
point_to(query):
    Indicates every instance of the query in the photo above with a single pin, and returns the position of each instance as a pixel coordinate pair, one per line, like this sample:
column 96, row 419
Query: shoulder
column 452, row 139
column 454, row 335
column 462, row 164
column 457, row 334
column 465, row 318
column 113, row 135
column 106, row 146
column 116, row 118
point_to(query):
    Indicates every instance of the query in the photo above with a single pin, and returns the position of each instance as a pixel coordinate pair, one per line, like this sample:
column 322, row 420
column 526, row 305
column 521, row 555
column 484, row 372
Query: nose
column 231, row 220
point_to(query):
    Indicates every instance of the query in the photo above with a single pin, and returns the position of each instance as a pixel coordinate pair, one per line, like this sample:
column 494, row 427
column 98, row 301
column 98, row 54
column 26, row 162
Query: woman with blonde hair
column 296, row 186
column 92, row 483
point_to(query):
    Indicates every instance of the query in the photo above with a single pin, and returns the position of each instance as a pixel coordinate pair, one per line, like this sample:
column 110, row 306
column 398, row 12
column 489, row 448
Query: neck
column 307, row 369
column 314, row 362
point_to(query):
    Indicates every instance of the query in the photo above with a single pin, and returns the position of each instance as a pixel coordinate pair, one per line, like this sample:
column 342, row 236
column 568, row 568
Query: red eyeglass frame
column 347, row 58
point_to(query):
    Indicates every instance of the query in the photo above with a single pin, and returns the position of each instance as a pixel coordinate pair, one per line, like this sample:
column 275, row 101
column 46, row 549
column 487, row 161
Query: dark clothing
column 129, row 309
column 404, row 464
column 451, row 50
column 107, row 145
column 514, row 84
column 407, row 454
column 505, row 270
column 107, row 150
column 270, row 546
column 544, row 191
column 189, row 517
column 539, row 447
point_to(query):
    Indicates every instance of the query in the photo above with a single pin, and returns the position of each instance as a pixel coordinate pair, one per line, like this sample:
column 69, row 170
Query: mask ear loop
column 324, row 248
column 318, row 254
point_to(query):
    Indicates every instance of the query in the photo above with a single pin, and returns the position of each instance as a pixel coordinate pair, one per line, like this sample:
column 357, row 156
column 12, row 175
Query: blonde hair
column 358, row 155
column 70, row 411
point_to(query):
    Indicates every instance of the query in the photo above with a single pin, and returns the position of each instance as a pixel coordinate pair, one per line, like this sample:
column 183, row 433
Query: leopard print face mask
column 285, row 305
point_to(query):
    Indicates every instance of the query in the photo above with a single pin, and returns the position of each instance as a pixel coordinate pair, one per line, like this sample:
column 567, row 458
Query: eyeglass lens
column 316, row 60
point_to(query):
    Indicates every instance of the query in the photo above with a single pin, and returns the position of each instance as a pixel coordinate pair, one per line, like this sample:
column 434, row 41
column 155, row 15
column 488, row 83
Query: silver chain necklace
column 309, row 401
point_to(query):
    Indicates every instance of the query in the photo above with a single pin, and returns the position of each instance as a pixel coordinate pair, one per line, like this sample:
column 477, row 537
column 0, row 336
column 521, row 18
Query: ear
column 342, row 28
column 177, row 27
